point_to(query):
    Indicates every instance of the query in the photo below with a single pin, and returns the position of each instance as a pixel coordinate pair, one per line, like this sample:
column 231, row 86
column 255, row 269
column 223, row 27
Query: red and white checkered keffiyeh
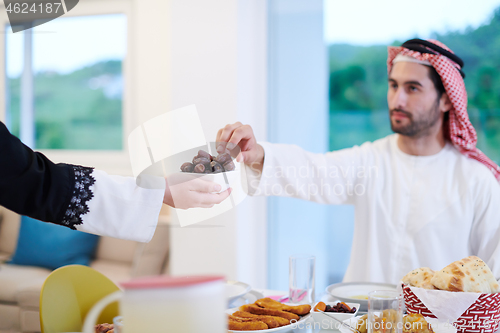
column 459, row 129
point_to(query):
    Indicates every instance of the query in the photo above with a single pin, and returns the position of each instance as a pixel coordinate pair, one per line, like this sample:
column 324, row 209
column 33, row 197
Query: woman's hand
column 189, row 191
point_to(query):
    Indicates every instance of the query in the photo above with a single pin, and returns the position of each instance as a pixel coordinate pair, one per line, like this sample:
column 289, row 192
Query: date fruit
column 223, row 158
column 340, row 307
column 201, row 160
column 202, row 153
column 216, row 167
column 187, row 167
column 199, row 168
column 206, row 163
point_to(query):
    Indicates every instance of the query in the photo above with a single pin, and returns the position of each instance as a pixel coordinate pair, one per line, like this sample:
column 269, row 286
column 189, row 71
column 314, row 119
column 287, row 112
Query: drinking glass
column 118, row 324
column 301, row 278
column 385, row 311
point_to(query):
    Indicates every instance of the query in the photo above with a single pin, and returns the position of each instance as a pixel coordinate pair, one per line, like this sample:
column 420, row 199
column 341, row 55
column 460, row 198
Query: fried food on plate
column 252, row 308
column 420, row 277
column 104, row 328
column 269, row 303
column 470, row 274
column 362, row 324
column 245, row 324
column 234, row 325
column 416, row 323
column 271, row 321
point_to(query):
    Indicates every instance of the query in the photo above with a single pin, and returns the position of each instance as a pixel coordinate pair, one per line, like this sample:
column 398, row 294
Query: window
column 358, row 86
column 64, row 83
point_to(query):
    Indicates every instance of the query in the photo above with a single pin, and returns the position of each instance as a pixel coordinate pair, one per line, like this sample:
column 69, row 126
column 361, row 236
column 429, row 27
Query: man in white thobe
column 424, row 196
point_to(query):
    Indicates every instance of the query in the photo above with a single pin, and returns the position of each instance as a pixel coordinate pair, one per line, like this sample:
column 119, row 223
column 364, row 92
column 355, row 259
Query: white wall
column 218, row 63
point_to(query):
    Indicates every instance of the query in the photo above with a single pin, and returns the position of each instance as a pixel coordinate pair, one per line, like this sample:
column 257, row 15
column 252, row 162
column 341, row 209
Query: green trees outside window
column 358, row 87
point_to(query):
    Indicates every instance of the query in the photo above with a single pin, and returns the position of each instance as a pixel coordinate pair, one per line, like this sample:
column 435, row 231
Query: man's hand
column 187, row 191
column 238, row 135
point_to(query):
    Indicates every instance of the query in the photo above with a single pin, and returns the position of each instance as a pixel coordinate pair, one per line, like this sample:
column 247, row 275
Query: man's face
column 413, row 100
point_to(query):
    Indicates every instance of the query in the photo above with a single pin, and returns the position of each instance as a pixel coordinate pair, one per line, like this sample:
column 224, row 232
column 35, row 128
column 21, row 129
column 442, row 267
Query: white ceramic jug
column 191, row 304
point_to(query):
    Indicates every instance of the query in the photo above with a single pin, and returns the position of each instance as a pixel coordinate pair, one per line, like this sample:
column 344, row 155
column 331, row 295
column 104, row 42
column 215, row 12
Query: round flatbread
column 420, row 277
column 470, row 274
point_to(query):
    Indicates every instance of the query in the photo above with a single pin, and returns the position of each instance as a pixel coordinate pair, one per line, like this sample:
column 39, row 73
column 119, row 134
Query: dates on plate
column 206, row 163
column 340, row 307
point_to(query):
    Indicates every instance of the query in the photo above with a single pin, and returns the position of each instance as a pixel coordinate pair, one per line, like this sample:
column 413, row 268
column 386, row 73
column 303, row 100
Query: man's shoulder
column 470, row 167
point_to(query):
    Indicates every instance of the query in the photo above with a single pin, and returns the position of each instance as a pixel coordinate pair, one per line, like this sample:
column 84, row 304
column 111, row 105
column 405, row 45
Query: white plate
column 323, row 317
column 236, row 289
column 285, row 328
column 346, row 291
column 248, row 298
column 437, row 326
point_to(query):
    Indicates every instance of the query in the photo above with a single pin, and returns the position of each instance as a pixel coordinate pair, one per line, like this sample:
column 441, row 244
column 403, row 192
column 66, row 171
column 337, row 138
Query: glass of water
column 301, row 278
column 385, row 311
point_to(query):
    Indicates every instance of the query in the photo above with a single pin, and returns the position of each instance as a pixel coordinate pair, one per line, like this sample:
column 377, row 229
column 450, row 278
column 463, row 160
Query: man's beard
column 417, row 127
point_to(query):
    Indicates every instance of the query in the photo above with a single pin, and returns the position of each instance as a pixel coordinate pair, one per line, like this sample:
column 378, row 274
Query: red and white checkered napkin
column 469, row 312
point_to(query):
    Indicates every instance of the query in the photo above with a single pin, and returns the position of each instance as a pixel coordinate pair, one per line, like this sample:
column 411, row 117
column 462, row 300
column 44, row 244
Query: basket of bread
column 464, row 293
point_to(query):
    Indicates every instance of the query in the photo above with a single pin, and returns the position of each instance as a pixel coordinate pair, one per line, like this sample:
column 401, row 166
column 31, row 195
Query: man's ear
column 445, row 103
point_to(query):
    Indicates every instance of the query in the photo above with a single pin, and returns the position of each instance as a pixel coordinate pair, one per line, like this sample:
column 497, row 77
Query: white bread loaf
column 470, row 274
column 420, row 277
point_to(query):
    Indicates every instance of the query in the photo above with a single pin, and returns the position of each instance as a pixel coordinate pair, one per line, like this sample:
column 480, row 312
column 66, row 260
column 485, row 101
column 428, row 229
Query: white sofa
column 20, row 286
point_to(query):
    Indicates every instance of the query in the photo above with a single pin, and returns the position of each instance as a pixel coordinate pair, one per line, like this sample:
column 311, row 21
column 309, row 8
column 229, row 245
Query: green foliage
column 358, row 87
column 72, row 110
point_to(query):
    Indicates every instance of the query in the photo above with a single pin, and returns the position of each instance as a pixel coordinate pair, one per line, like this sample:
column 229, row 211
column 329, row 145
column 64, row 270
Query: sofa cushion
column 115, row 249
column 52, row 246
column 14, row 279
column 9, row 318
column 30, row 321
column 4, row 257
column 28, row 296
column 151, row 258
column 9, row 230
column 116, row 271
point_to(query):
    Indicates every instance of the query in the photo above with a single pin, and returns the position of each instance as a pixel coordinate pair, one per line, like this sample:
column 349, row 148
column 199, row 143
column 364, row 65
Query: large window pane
column 358, row 86
column 14, row 66
column 78, row 83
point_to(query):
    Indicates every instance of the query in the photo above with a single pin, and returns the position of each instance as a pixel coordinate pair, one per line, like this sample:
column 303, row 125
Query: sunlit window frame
column 113, row 161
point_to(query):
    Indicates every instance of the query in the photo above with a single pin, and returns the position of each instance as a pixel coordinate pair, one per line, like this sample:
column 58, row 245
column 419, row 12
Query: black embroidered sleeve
column 81, row 195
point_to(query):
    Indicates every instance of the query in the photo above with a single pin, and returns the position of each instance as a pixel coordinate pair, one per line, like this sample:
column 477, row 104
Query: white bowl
column 356, row 292
column 332, row 324
column 212, row 177
column 236, row 289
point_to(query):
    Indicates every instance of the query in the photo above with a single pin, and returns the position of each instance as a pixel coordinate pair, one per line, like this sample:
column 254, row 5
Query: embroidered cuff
column 81, row 195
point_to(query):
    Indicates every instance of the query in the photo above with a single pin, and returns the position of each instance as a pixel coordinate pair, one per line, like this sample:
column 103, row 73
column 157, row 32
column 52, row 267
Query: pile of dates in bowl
column 206, row 163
